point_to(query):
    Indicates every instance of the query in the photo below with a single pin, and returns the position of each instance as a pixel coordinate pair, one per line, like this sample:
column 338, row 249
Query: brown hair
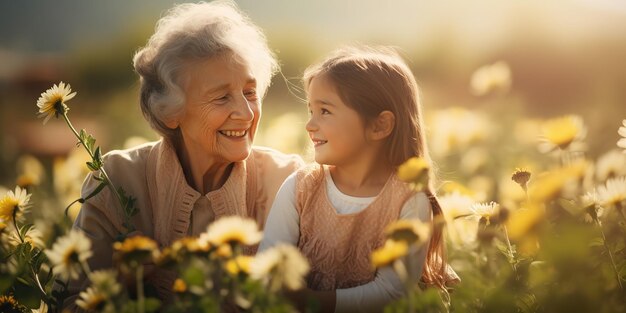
column 371, row 80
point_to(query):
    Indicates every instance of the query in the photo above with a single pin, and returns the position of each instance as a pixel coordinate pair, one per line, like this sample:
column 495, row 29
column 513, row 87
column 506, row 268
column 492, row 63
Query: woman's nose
column 243, row 110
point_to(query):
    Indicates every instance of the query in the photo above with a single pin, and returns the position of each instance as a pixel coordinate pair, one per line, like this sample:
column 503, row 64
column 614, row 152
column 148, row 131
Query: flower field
column 534, row 222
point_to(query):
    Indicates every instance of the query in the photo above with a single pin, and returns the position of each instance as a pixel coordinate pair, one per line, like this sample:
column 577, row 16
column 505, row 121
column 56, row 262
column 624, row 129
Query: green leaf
column 27, row 295
column 193, row 276
column 91, row 166
column 95, row 191
column 152, row 304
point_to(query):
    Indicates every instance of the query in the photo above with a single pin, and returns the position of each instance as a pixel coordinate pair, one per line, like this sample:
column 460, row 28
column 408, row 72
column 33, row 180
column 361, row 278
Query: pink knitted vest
column 339, row 246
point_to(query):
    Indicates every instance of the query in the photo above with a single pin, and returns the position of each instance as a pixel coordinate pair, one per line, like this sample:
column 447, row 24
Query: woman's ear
column 171, row 123
column 382, row 126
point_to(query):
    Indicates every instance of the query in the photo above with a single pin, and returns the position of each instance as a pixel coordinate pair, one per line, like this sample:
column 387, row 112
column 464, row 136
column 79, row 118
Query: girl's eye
column 324, row 111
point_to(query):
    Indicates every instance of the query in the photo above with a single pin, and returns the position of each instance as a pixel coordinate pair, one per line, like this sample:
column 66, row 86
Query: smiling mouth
column 317, row 143
column 234, row 133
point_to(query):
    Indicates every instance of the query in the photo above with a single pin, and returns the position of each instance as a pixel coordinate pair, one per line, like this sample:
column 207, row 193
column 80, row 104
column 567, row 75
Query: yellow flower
column 450, row 187
column 30, row 171
column 456, row 128
column 67, row 175
column 613, row 193
column 414, row 170
column 105, row 281
column 68, row 252
column 486, row 210
column 283, row 266
column 548, row 186
column 461, row 225
column 622, row 132
column 190, row 245
column 136, row 250
column 411, row 231
column 9, row 304
column 179, row 286
column 52, row 101
column 14, row 204
column 233, row 230
column 474, row 160
column 32, row 236
column 388, row 253
column 91, row 300
column 490, row 78
column 521, row 176
column 611, row 164
column 524, row 221
column 240, row 264
column 562, row 132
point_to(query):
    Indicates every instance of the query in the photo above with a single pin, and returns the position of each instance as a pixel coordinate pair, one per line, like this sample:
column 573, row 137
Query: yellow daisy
column 611, row 164
column 14, row 204
column 524, row 221
column 414, row 170
column 52, row 101
column 283, row 266
column 30, row 170
column 521, row 176
column 613, row 193
column 490, row 78
column 387, row 254
column 179, row 286
column 136, row 250
column 91, row 300
column 240, row 264
column 105, row 281
column 562, row 132
column 233, row 230
column 9, row 304
column 68, row 252
column 412, row 231
column 486, row 211
column 32, row 236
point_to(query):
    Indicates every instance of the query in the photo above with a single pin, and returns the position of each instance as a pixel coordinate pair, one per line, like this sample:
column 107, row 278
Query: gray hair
column 194, row 31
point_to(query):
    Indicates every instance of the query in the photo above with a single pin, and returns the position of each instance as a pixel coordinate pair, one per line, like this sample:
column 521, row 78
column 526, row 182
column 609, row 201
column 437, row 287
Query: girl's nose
column 311, row 125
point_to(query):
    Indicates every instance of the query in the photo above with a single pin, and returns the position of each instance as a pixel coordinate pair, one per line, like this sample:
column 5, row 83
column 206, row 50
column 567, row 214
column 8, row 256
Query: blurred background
column 551, row 59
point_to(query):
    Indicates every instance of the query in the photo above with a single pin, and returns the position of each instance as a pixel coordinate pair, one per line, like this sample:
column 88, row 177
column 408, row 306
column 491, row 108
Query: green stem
column 15, row 223
column 104, row 173
column 511, row 254
column 140, row 296
column 36, row 279
column 606, row 246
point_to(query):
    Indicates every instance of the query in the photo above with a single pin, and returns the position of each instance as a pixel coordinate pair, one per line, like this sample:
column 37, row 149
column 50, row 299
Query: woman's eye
column 222, row 99
column 250, row 94
column 324, row 111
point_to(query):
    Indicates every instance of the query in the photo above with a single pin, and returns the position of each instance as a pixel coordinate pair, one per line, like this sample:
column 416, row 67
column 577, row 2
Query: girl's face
column 222, row 109
column 337, row 131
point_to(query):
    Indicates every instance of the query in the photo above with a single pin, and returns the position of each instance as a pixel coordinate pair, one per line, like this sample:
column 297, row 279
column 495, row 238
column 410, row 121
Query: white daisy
column 232, row 229
column 613, row 193
column 68, row 252
column 282, row 265
column 52, row 101
column 14, row 204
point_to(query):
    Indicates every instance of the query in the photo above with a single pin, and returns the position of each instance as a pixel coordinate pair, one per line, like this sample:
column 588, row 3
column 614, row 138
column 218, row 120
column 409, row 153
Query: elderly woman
column 203, row 74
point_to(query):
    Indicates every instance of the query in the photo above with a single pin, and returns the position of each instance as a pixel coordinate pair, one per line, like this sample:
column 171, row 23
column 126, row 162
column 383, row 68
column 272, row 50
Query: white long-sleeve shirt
column 283, row 226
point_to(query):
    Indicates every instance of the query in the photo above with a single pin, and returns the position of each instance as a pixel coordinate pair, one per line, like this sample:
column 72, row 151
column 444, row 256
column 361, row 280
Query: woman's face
column 222, row 109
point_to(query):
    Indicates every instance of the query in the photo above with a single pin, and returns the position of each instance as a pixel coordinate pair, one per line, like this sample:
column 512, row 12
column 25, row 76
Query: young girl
column 365, row 121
